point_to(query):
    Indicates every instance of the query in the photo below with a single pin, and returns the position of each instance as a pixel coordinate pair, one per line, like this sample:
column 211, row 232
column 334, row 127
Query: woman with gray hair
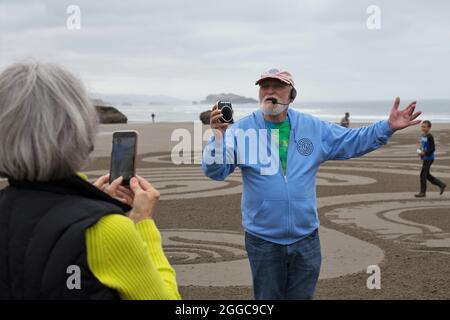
column 60, row 236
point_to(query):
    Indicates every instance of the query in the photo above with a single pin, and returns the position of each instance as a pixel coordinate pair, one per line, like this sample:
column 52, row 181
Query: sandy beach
column 367, row 209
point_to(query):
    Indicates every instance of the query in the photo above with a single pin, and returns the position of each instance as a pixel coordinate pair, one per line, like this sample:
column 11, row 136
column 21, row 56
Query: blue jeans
column 284, row 272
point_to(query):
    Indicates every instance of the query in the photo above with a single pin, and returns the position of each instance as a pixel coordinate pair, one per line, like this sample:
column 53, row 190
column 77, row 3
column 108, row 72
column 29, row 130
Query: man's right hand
column 218, row 127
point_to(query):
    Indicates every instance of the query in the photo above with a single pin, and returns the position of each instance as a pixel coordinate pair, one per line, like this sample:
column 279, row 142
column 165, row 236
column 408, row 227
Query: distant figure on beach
column 63, row 237
column 153, row 117
column 345, row 121
column 279, row 209
column 426, row 153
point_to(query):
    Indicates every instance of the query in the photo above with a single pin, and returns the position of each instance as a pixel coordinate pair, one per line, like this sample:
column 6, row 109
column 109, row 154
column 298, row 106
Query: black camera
column 227, row 111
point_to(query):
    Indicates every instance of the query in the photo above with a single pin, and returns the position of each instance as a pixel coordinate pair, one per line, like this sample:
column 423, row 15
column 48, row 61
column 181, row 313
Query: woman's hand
column 145, row 199
column 115, row 189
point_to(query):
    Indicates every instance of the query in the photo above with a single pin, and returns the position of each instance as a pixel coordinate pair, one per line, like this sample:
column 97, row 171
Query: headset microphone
column 275, row 101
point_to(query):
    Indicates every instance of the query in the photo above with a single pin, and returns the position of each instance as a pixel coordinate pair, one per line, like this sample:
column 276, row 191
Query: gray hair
column 47, row 122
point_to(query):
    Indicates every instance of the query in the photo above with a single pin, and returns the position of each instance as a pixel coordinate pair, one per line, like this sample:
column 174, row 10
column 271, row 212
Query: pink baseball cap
column 281, row 75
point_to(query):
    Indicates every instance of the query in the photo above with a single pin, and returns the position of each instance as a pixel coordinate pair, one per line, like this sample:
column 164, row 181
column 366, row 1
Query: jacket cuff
column 386, row 128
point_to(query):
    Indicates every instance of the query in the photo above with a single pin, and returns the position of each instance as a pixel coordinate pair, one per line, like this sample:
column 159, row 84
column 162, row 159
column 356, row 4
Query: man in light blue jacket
column 279, row 151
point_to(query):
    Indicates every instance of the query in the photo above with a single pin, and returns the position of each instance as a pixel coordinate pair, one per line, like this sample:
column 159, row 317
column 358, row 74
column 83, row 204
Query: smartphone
column 123, row 156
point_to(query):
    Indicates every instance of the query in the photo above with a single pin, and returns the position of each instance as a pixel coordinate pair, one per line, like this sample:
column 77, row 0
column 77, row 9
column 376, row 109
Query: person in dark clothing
column 427, row 156
column 62, row 237
column 345, row 121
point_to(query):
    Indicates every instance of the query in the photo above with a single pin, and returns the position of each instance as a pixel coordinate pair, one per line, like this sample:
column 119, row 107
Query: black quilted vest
column 42, row 233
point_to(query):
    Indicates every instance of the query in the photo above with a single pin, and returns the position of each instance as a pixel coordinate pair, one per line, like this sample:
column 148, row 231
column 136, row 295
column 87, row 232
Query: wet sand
column 368, row 214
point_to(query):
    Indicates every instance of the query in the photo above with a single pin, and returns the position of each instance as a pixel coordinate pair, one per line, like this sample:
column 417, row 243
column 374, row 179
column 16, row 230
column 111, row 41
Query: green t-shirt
column 284, row 130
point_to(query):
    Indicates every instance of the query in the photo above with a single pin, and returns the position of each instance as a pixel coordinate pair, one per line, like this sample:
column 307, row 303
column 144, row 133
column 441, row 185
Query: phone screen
column 123, row 156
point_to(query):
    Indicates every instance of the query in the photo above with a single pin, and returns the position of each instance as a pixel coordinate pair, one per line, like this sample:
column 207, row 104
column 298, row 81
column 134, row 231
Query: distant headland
column 231, row 97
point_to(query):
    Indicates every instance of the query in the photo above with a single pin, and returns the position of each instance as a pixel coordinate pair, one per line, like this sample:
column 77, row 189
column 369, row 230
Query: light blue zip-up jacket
column 282, row 208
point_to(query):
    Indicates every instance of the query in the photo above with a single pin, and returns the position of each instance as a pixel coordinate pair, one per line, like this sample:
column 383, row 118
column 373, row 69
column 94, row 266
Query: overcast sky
column 188, row 49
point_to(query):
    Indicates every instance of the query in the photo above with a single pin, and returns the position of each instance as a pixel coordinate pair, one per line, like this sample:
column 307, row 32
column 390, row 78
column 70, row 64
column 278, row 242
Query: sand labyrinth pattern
column 187, row 182
column 380, row 213
column 404, row 153
column 218, row 257
column 198, row 256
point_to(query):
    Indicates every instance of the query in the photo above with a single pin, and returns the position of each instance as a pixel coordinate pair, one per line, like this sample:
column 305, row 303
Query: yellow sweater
column 129, row 258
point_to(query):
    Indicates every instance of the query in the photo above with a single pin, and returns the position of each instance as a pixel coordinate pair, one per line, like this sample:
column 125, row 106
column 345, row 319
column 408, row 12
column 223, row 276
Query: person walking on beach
column 427, row 149
column 153, row 117
column 345, row 121
column 279, row 210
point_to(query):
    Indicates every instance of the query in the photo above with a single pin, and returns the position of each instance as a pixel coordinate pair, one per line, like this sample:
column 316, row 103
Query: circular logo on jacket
column 305, row 147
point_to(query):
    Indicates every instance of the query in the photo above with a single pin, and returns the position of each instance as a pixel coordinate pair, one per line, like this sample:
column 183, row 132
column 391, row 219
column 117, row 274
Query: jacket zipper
column 291, row 136
column 285, row 176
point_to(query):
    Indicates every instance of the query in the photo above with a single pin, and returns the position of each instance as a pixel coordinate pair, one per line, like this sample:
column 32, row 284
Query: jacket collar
column 73, row 185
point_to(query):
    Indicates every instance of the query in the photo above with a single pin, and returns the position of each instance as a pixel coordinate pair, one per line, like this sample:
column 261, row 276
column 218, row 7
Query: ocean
column 360, row 111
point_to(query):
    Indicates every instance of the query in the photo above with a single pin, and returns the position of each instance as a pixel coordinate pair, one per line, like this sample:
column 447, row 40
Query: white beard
column 268, row 108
